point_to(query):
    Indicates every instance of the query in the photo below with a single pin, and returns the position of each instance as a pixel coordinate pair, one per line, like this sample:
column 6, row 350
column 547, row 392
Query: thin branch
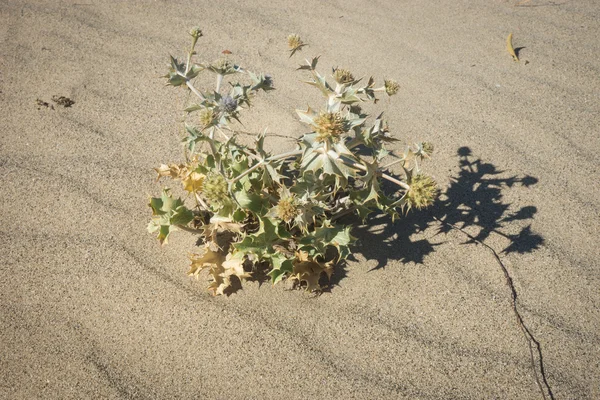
column 193, row 89
column 387, row 177
column 201, row 202
column 392, row 163
column 288, row 154
column 268, row 134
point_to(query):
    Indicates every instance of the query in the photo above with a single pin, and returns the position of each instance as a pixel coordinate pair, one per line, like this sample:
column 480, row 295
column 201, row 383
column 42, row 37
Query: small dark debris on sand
column 60, row 100
column 63, row 101
column 42, row 103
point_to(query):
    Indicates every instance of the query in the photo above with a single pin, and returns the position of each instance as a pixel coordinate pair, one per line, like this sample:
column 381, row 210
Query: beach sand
column 93, row 307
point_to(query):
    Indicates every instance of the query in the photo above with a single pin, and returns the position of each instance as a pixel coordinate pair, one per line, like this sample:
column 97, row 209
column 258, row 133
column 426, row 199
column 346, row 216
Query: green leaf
column 308, row 116
column 329, row 235
column 329, row 163
column 320, row 83
column 261, row 243
column 310, row 65
column 251, row 201
column 282, row 266
column 168, row 213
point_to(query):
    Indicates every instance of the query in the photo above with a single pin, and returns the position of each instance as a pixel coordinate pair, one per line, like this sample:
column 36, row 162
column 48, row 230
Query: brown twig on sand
column 534, row 345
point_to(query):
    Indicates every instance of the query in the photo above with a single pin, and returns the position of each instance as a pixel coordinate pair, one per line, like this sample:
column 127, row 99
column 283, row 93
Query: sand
column 93, row 307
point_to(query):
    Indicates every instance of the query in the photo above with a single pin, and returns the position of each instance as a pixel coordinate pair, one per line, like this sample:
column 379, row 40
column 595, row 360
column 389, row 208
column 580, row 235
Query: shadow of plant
column 473, row 199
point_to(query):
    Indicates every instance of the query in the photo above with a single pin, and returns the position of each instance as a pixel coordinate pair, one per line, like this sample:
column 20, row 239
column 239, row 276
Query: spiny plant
column 278, row 213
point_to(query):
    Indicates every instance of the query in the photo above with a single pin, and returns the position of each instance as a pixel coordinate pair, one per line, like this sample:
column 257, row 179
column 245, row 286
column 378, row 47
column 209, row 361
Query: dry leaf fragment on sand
column 510, row 48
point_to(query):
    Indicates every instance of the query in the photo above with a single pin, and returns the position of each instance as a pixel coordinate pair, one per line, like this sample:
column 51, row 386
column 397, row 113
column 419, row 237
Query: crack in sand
column 534, row 345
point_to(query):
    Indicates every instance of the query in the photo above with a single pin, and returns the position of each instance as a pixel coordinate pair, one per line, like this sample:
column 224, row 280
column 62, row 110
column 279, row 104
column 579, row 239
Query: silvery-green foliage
column 254, row 209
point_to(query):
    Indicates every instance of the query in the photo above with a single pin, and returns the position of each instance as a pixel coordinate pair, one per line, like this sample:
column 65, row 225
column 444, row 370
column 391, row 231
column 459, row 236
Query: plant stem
column 356, row 165
column 190, row 54
column 201, row 202
column 392, row 163
column 288, row 154
column 219, row 81
column 342, row 213
column 193, row 89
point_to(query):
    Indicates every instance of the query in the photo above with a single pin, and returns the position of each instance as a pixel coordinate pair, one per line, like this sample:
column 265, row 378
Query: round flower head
column 229, row 104
column 214, row 188
column 223, row 66
column 427, row 147
column 343, row 76
column 196, row 32
column 391, row 87
column 286, row 209
column 207, row 117
column 329, row 125
column 423, row 191
column 295, row 43
column 268, row 80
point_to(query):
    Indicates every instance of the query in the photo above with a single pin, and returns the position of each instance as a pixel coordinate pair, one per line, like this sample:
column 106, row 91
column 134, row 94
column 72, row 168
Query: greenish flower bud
column 223, row 66
column 427, row 148
column 391, row 87
column 207, row 117
column 343, row 76
column 215, row 189
column 423, row 191
column 329, row 126
column 286, row 209
column 196, row 32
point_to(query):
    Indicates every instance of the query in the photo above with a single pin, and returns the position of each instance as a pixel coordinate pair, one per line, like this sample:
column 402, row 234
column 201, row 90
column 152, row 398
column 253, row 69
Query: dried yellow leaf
column 308, row 270
column 209, row 259
column 192, row 182
column 510, row 48
column 220, row 269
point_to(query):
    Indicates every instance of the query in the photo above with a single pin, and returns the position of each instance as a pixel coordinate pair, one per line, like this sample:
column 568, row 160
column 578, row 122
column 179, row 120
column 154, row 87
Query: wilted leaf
column 220, row 269
column 171, row 170
column 206, row 260
column 510, row 48
column 219, row 224
column 307, row 269
column 192, row 182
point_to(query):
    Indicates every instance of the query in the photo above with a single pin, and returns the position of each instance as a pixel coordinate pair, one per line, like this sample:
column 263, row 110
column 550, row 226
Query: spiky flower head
column 268, row 80
column 228, row 104
column 207, row 117
column 214, row 188
column 423, row 191
column 287, row 209
column 223, row 66
column 329, row 126
column 427, row 147
column 343, row 76
column 391, row 87
column 295, row 43
column 196, row 32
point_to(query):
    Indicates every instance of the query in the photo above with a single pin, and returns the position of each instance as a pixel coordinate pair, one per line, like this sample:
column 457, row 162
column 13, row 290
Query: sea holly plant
column 280, row 213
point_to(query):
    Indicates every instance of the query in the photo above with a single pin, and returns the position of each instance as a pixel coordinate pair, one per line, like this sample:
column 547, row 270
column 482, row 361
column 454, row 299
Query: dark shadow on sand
column 474, row 198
